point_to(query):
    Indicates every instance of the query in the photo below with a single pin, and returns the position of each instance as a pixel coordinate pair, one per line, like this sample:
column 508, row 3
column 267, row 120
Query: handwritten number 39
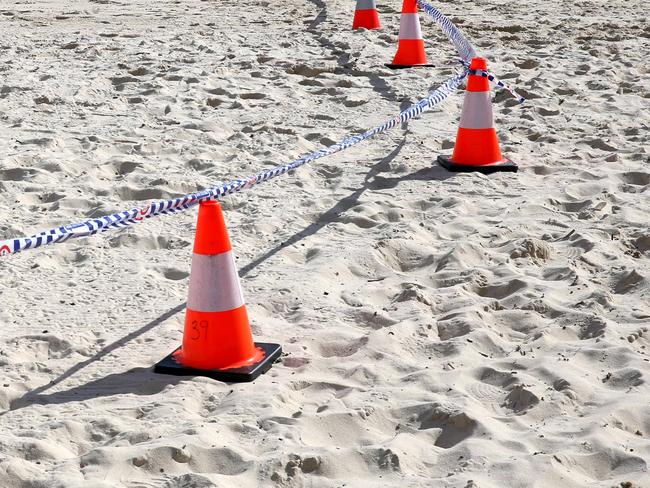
column 199, row 329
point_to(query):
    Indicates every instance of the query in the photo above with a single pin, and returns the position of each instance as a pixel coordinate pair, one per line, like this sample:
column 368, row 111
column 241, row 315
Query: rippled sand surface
column 439, row 330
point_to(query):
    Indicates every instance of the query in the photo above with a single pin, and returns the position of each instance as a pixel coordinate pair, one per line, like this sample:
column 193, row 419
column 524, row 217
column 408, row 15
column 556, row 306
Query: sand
column 439, row 330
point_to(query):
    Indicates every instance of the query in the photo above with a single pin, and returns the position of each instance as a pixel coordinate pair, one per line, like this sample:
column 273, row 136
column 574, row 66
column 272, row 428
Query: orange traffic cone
column 365, row 15
column 410, row 47
column 217, row 341
column 477, row 145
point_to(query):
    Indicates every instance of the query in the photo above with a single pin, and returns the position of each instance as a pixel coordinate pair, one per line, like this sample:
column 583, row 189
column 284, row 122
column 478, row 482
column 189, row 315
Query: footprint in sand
column 501, row 291
column 455, row 426
column 623, row 379
column 520, row 399
column 636, row 178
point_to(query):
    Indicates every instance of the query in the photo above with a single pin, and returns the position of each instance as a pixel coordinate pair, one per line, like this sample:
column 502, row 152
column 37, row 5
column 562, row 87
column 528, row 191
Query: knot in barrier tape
column 494, row 79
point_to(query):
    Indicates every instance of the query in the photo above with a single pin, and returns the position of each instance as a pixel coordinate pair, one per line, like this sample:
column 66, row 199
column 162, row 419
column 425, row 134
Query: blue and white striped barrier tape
column 460, row 42
column 133, row 216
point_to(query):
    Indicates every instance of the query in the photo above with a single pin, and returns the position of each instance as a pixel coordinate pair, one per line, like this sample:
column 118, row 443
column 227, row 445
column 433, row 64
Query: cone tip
column 211, row 232
column 478, row 63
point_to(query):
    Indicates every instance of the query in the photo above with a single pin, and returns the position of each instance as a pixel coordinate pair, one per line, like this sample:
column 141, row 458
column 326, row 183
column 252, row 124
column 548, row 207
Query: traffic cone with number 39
column 217, row 340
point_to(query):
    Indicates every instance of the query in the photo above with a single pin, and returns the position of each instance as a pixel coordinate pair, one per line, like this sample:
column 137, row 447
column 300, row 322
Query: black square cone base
column 406, row 66
column 506, row 165
column 169, row 365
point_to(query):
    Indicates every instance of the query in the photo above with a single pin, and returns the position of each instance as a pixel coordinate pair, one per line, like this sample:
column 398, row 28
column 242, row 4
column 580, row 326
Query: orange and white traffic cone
column 477, row 144
column 366, row 15
column 217, row 340
column 410, row 47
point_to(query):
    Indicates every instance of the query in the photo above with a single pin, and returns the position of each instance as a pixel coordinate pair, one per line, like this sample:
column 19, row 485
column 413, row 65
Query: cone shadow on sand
column 321, row 16
column 37, row 395
column 136, row 381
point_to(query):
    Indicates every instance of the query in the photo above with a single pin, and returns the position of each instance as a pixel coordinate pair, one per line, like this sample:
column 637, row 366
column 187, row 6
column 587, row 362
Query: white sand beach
column 439, row 329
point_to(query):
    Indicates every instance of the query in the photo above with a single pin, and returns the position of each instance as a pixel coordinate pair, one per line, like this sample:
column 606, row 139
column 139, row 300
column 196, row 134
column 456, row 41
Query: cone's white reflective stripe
column 409, row 27
column 366, row 5
column 214, row 283
column 477, row 111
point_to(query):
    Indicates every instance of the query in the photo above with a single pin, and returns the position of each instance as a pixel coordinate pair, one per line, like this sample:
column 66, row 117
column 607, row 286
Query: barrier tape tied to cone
column 486, row 74
column 463, row 46
column 477, row 145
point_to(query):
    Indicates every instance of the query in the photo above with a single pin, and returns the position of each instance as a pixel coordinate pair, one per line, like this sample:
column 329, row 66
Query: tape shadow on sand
column 372, row 181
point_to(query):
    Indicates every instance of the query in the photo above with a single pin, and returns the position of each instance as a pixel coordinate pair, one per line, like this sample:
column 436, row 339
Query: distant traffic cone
column 410, row 47
column 217, row 341
column 366, row 16
column 477, row 145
